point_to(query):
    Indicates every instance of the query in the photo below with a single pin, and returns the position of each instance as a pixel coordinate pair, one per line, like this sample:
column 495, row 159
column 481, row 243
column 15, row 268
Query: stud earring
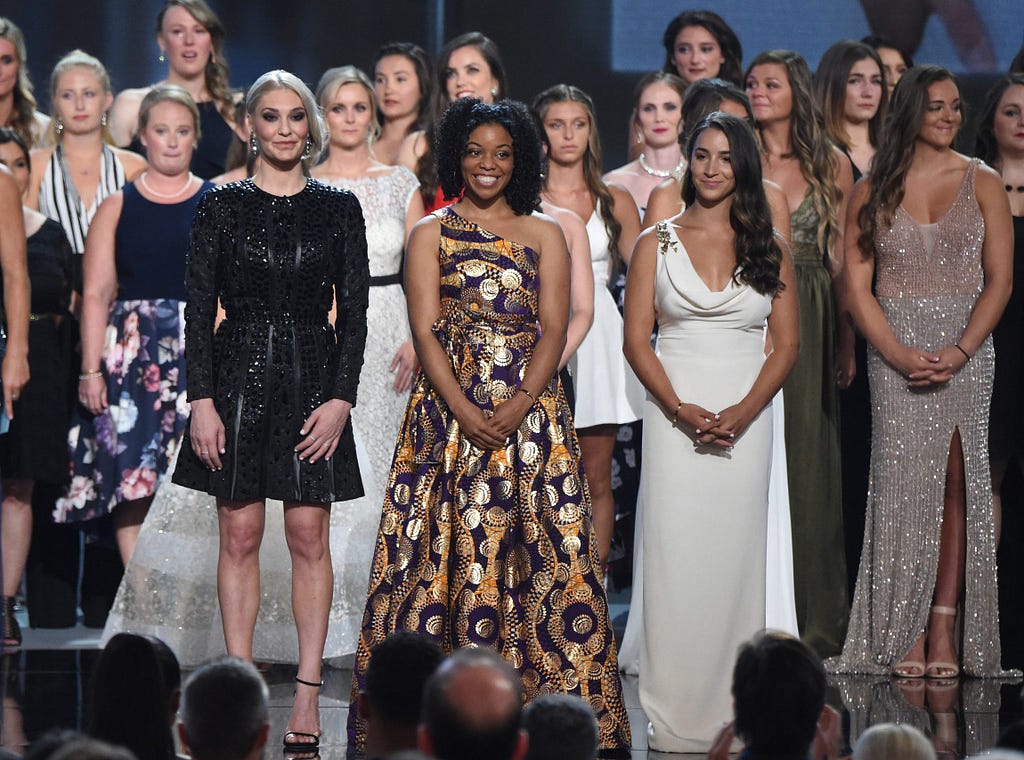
column 254, row 147
column 494, row 92
column 59, row 126
column 161, row 57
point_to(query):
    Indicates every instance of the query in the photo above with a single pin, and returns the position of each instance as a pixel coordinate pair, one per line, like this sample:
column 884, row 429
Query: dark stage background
column 600, row 45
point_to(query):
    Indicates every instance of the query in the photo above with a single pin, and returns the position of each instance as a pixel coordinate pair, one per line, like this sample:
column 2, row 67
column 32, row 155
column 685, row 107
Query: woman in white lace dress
column 169, row 588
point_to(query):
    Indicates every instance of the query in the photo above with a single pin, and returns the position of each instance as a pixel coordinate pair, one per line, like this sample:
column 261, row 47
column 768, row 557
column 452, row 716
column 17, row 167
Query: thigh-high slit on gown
column 928, row 278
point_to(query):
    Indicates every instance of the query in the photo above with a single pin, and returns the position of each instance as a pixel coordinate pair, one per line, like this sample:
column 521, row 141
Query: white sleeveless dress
column 607, row 391
column 705, row 509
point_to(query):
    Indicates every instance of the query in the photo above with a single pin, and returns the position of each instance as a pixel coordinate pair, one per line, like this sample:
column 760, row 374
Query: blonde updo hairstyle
column 285, row 80
column 169, row 93
column 78, row 59
column 336, row 78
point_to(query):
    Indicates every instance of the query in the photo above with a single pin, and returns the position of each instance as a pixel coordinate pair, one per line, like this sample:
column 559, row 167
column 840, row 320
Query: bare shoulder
column 133, row 163
column 427, row 227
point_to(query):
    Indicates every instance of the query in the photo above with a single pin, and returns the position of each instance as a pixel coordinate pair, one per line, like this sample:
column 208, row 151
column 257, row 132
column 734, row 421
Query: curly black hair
column 465, row 115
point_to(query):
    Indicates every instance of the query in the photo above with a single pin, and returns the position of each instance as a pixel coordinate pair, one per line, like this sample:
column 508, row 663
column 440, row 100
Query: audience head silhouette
column 472, row 707
column 778, row 690
column 560, row 727
column 224, row 711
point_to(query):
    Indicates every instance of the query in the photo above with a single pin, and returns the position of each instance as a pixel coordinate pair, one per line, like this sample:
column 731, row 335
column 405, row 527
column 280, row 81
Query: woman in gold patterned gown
column 932, row 229
column 486, row 537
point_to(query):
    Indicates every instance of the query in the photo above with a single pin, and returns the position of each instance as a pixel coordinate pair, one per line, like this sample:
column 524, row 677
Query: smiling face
column 14, row 159
column 398, row 88
column 280, row 124
column 487, row 162
column 863, row 91
column 10, row 66
column 1008, row 121
column 771, row 97
column 349, row 116
column 659, row 112
column 697, row 54
column 80, row 100
column 185, row 42
column 169, row 137
column 942, row 115
column 711, row 167
column 567, row 126
column 895, row 66
column 469, row 76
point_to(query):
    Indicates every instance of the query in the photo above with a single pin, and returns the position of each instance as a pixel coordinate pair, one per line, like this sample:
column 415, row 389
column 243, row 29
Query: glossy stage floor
column 45, row 685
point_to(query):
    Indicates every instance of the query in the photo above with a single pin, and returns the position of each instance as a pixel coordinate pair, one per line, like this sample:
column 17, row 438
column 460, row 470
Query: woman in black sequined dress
column 272, row 388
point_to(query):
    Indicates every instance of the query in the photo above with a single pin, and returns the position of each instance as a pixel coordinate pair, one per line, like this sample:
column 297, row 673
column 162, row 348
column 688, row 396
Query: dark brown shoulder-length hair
column 896, row 151
column 830, row 89
column 758, row 256
column 985, row 146
column 732, row 50
column 217, row 73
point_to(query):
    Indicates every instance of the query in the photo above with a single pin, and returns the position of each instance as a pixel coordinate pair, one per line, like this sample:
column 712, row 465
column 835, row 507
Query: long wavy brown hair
column 563, row 93
column 758, row 256
column 812, row 148
column 23, row 112
column 896, row 150
column 217, row 73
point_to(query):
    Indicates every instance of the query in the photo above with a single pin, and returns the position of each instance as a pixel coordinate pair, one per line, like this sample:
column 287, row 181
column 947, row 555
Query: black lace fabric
column 276, row 265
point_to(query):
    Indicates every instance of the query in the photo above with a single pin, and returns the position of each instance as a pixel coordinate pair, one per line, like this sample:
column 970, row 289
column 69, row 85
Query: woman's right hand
column 476, row 425
column 92, row 393
column 206, row 432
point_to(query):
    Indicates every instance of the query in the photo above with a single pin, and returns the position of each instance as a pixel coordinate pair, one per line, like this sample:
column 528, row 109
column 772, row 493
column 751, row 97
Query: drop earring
column 103, row 120
column 58, row 127
column 309, row 149
column 254, row 147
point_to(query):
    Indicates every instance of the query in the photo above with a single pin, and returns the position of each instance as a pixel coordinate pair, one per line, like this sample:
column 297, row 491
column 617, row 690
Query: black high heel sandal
column 12, row 631
column 311, row 747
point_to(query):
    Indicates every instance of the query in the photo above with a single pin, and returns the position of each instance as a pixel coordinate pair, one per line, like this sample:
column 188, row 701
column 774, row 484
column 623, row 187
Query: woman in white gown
column 711, row 277
column 169, row 587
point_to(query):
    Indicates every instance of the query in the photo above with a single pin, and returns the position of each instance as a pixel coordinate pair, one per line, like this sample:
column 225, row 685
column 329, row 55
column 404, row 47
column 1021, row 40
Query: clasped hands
column 924, row 369
column 714, row 428
column 487, row 430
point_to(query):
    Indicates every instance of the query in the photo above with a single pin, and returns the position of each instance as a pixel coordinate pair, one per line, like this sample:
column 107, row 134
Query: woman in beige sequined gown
column 934, row 230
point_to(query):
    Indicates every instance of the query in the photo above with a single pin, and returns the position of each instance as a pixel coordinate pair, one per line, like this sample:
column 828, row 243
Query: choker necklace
column 663, row 173
column 168, row 196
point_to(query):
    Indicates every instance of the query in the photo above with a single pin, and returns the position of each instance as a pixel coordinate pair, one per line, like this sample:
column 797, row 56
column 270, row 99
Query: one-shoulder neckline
column 450, row 211
column 971, row 164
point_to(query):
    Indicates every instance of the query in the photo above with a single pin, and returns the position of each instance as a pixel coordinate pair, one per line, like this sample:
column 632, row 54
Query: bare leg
column 949, row 580
column 17, row 532
column 238, row 572
column 307, row 530
column 597, row 444
column 128, row 517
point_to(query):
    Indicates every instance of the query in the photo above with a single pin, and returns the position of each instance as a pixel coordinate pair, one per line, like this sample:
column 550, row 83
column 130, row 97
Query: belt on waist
column 40, row 317
column 386, row 279
column 279, row 317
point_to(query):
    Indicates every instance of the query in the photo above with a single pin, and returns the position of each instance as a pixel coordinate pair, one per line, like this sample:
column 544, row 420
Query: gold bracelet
column 532, row 397
column 675, row 414
column 91, row 373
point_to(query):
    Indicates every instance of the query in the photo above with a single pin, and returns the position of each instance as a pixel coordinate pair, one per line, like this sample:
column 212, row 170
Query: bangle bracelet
column 532, row 397
column 675, row 414
column 90, row 373
column 961, row 350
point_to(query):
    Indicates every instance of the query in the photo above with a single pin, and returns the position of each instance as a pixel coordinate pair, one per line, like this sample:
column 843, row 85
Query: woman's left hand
column 509, row 414
column 405, row 365
column 845, row 366
column 322, row 430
